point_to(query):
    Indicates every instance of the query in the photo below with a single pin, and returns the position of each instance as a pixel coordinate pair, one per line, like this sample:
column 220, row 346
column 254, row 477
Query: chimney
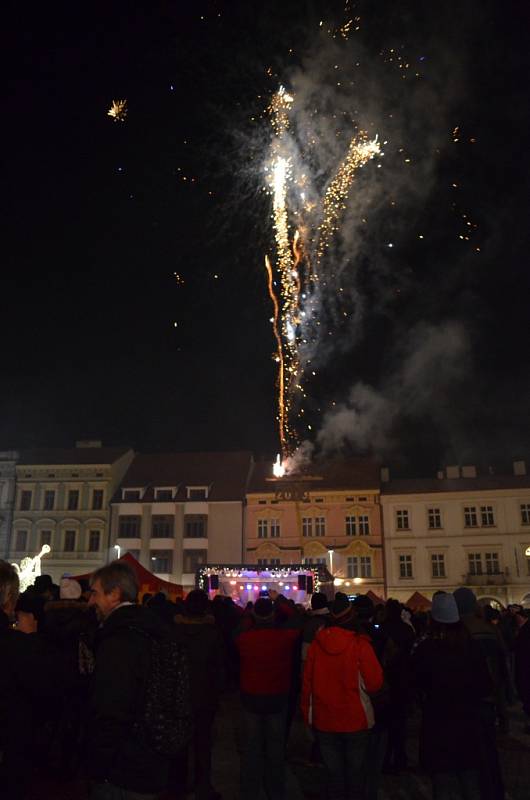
column 88, row 443
column 385, row 475
column 470, row 471
column 452, row 472
column 519, row 467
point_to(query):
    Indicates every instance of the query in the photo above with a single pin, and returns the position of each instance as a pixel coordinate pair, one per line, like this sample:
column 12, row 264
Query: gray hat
column 444, row 609
column 465, row 600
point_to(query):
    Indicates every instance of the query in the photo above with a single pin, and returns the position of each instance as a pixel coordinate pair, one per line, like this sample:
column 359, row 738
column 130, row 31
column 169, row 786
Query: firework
column 118, row 110
column 303, row 232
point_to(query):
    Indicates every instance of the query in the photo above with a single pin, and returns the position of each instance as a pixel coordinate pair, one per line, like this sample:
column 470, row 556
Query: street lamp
column 331, row 561
column 118, row 549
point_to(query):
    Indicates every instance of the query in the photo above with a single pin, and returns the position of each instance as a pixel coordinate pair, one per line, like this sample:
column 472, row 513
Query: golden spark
column 118, row 110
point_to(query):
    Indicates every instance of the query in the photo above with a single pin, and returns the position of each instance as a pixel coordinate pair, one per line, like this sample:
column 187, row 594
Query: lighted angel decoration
column 30, row 568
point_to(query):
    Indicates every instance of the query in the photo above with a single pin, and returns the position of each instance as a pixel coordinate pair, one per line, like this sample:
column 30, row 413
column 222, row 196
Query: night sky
column 100, row 215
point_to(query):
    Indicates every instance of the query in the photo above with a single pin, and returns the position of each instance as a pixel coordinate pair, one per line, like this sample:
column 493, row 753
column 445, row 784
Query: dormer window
column 197, row 492
column 165, row 494
column 132, row 495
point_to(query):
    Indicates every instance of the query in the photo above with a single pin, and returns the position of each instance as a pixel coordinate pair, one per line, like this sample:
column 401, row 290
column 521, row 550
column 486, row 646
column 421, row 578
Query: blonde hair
column 9, row 584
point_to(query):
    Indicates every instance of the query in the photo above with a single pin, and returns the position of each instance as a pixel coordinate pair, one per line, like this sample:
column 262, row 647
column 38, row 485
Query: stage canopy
column 418, row 602
column 244, row 582
column 147, row 581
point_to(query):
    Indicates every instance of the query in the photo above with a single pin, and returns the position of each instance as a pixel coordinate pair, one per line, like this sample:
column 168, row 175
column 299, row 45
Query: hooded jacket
column 341, row 669
column 204, row 643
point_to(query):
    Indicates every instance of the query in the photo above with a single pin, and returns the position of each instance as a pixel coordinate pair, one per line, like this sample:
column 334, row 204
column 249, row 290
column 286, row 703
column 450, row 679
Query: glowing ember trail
column 299, row 261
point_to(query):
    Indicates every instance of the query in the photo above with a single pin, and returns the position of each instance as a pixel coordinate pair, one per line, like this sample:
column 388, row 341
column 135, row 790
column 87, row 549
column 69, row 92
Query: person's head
column 9, row 588
column 30, row 611
column 393, row 610
column 264, row 610
column 249, row 606
column 466, row 600
column 319, row 601
column 70, row 589
column 196, row 603
column 363, row 607
column 146, row 597
column 111, row 585
column 444, row 609
column 44, row 586
column 341, row 605
column 491, row 614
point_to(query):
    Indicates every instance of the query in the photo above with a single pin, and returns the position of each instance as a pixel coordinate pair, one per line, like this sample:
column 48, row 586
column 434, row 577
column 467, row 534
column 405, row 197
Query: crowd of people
column 125, row 694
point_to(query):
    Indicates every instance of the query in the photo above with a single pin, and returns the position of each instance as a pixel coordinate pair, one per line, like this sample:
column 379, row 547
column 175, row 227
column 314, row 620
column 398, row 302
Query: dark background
column 98, row 218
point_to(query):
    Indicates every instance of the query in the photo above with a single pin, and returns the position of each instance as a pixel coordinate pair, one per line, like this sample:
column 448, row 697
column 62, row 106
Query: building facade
column 8, row 459
column 176, row 511
column 328, row 515
column 460, row 529
column 63, row 499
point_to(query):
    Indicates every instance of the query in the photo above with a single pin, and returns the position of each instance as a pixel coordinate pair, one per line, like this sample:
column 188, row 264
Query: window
column 405, row 566
column 351, row 526
column 21, row 541
column 197, row 493
column 307, row 526
column 97, row 499
column 69, row 541
column 470, row 517
column 164, row 495
column 474, row 561
column 364, row 525
column 486, row 515
column 131, row 495
column 275, row 528
column 438, row 565
column 402, row 519
column 25, row 500
column 435, row 518
column 525, row 513
column 319, row 499
column 320, row 526
column 193, row 559
column 73, row 499
column 195, row 526
column 128, row 527
column 268, row 562
column 263, row 528
column 45, row 538
column 492, row 564
column 359, row 567
column 162, row 561
column 161, row 527
column 49, row 499
column 274, row 562
column 313, row 561
column 94, row 539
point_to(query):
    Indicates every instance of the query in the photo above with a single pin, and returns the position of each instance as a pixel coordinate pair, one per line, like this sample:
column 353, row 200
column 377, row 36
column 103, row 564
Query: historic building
column 176, row 511
column 8, row 461
column 62, row 499
column 328, row 514
column 459, row 529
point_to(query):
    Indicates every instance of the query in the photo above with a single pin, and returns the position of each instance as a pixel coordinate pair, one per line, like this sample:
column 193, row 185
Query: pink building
column 328, row 514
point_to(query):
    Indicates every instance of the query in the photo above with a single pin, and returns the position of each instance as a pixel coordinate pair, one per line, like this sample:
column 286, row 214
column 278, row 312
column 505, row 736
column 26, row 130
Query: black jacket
column 522, row 665
column 116, row 749
column 204, row 643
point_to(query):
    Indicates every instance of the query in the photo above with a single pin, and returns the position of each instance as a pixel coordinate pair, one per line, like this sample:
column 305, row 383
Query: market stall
column 147, row 581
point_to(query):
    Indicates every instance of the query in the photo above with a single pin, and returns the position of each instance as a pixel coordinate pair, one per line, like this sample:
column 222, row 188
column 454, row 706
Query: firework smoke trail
column 298, row 271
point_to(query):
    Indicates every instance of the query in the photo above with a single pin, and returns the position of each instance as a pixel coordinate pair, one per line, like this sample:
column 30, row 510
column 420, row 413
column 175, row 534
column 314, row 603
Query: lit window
column 435, row 518
column 351, row 526
column 402, row 519
column 470, row 517
column 307, row 526
column 438, row 565
column 263, row 528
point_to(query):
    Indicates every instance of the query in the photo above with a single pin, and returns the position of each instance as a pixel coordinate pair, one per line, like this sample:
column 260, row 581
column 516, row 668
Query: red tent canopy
column 376, row 600
column 418, row 602
column 146, row 580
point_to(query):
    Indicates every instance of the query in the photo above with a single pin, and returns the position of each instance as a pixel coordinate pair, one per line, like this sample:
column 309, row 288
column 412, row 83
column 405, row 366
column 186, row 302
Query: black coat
column 204, row 643
column 116, row 750
column 453, row 681
column 522, row 665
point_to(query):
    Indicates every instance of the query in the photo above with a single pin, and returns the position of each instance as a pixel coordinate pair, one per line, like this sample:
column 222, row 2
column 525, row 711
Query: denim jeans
column 263, row 754
column 107, row 791
column 458, row 785
column 344, row 756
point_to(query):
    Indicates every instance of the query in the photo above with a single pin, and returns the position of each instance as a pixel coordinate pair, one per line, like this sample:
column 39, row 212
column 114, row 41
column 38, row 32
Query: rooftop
column 345, row 474
column 57, row 456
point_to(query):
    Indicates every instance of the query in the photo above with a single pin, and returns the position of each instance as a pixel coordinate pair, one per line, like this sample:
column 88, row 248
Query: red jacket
column 266, row 659
column 340, row 670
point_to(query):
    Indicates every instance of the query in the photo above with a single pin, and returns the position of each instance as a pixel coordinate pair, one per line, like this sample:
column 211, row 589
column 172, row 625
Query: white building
column 459, row 529
column 8, row 460
column 62, row 499
column 176, row 511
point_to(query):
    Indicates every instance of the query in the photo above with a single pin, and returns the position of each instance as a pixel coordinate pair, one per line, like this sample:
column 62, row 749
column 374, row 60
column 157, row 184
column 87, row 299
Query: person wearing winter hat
column 452, row 675
column 69, row 589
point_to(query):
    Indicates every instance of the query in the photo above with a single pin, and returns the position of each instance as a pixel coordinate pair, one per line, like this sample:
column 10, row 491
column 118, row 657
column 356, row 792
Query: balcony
column 491, row 579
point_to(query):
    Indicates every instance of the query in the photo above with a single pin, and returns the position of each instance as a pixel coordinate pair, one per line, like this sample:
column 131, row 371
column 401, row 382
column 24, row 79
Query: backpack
column 165, row 717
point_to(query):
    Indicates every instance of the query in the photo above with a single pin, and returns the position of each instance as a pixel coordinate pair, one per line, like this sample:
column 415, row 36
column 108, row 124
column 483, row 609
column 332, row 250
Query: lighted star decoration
column 118, row 110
